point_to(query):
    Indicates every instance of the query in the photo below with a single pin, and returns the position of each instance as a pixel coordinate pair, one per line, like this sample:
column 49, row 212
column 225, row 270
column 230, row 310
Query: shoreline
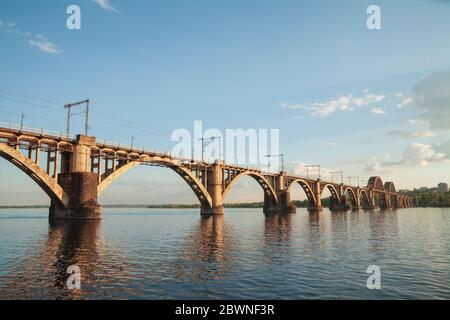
column 176, row 206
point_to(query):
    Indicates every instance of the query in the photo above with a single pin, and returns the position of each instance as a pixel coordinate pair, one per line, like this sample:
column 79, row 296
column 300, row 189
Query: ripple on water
column 175, row 254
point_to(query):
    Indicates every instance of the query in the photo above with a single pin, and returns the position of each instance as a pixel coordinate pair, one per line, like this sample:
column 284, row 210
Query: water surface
column 176, row 254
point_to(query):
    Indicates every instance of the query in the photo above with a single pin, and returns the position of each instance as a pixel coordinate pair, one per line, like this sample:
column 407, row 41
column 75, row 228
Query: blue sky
column 343, row 96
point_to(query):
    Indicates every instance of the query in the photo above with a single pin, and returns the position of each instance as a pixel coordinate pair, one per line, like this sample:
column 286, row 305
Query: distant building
column 442, row 187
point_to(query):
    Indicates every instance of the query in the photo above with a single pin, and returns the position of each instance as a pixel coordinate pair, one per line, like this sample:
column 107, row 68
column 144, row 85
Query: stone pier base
column 314, row 209
column 81, row 188
column 216, row 211
column 77, row 213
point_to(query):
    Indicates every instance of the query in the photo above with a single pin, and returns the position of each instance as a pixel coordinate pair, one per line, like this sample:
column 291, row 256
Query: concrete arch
column 352, row 195
column 265, row 185
column 375, row 183
column 395, row 200
column 333, row 191
column 48, row 184
column 306, row 188
column 380, row 199
column 364, row 196
column 389, row 187
column 195, row 184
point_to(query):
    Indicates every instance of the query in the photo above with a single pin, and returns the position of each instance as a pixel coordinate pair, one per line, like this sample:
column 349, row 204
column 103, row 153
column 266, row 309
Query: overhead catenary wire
column 56, row 106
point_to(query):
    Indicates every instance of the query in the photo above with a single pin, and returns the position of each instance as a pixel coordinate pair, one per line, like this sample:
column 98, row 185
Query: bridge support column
column 214, row 186
column 372, row 204
column 270, row 207
column 357, row 205
column 339, row 205
column 286, row 205
column 316, row 207
column 80, row 185
column 81, row 188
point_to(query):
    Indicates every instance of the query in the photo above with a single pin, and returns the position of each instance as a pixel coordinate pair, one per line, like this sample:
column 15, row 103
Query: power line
column 32, row 97
column 30, row 103
column 56, row 106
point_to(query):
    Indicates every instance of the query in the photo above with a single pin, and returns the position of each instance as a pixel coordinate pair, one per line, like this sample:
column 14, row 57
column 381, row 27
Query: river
column 176, row 254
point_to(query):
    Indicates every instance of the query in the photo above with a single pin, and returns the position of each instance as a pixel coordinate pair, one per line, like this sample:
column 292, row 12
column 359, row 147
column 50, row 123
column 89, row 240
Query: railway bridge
column 75, row 171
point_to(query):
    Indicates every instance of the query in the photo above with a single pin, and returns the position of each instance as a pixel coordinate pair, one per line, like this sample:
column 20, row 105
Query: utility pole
column 203, row 139
column 313, row 166
column 337, row 172
column 351, row 178
column 132, row 141
column 21, row 121
column 69, row 114
column 268, row 162
column 86, row 120
column 276, row 155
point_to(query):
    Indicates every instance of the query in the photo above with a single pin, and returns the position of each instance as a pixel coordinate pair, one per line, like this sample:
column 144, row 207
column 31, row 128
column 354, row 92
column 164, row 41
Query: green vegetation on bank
column 298, row 203
column 432, row 199
column 425, row 199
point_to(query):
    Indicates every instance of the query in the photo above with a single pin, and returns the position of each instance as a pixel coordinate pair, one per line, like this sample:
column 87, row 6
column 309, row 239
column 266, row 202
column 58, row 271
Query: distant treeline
column 298, row 203
column 432, row 199
column 25, row 207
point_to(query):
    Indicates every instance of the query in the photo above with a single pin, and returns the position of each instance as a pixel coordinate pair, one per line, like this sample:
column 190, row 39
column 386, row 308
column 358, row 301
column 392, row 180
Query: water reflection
column 383, row 226
column 242, row 255
column 43, row 272
column 277, row 237
column 207, row 250
column 75, row 243
column 315, row 230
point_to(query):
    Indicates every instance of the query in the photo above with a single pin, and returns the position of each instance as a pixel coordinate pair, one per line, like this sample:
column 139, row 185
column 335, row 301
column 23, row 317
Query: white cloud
column 331, row 144
column 105, row 4
column 44, row 45
column 377, row 110
column 342, row 103
column 4, row 24
column 416, row 154
column 38, row 40
column 405, row 102
column 299, row 168
column 421, row 154
column 432, row 98
column 412, row 134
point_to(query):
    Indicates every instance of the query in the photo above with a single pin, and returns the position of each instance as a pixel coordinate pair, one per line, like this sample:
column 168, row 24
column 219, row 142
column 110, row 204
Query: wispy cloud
column 44, row 45
column 411, row 134
column 377, row 110
column 35, row 40
column 405, row 102
column 299, row 168
column 105, row 4
column 341, row 103
column 7, row 24
column 331, row 144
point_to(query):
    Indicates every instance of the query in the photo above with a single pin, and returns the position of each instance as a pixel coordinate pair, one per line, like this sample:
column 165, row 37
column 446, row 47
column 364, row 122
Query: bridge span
column 77, row 170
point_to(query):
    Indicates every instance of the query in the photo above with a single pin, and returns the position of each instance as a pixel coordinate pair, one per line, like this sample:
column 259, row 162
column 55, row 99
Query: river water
column 176, row 254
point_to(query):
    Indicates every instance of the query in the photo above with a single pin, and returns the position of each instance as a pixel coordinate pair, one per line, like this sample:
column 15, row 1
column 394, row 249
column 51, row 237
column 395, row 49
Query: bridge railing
column 39, row 131
column 112, row 144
